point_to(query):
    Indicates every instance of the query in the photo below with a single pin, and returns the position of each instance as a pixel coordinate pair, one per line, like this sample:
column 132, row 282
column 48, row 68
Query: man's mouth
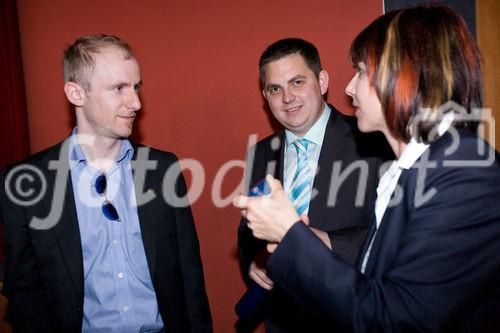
column 294, row 109
column 128, row 117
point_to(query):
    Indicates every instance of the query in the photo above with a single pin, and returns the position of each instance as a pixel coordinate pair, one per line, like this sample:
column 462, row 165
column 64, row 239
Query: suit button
column 78, row 308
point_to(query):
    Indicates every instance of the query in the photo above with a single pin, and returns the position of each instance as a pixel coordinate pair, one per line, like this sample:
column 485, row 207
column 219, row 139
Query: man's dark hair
column 289, row 46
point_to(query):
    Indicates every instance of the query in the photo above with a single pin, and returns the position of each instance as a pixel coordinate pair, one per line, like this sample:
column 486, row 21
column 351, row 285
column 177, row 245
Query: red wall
column 201, row 97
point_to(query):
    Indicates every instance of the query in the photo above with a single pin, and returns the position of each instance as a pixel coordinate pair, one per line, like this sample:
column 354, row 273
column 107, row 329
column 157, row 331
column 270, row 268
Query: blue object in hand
column 255, row 295
column 261, row 188
column 250, row 302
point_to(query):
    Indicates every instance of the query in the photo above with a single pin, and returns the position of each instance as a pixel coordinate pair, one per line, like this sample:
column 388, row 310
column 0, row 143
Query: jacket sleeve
column 191, row 265
column 22, row 285
column 436, row 263
column 248, row 245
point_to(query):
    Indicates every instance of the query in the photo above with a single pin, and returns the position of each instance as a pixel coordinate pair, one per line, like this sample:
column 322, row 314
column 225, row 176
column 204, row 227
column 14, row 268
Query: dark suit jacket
column 345, row 222
column 44, row 268
column 434, row 265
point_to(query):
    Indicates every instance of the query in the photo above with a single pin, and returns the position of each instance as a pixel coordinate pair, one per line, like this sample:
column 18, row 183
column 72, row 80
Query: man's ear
column 323, row 79
column 74, row 93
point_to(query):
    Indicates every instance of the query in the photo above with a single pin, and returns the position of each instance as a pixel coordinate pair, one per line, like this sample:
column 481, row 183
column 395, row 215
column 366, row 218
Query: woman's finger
column 240, row 201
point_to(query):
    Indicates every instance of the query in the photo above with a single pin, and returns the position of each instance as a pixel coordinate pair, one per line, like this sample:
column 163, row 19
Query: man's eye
column 298, row 83
column 273, row 90
column 120, row 88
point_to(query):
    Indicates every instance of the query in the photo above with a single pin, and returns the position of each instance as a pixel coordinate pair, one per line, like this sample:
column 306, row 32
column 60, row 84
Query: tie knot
column 301, row 145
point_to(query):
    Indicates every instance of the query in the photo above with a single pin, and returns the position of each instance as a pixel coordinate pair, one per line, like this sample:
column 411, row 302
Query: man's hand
column 259, row 275
column 257, row 270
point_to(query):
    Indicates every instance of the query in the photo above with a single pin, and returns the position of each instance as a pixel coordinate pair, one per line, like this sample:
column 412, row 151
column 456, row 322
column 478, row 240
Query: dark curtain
column 14, row 136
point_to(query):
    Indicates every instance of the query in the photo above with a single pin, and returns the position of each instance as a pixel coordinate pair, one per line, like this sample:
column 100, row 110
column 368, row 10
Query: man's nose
column 133, row 101
column 288, row 96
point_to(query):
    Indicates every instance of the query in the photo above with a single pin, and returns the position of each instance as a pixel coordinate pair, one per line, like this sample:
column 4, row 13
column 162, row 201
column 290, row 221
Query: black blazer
column 435, row 263
column 346, row 223
column 44, row 268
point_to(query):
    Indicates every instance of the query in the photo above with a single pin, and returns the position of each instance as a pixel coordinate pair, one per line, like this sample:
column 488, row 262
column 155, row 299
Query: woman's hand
column 269, row 216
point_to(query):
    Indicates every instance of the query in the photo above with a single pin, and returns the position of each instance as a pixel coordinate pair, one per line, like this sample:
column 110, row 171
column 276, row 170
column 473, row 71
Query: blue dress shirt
column 118, row 292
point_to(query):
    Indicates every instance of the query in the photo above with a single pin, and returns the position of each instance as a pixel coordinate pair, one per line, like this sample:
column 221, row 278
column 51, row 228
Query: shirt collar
column 315, row 133
column 413, row 150
column 411, row 153
column 77, row 156
column 126, row 151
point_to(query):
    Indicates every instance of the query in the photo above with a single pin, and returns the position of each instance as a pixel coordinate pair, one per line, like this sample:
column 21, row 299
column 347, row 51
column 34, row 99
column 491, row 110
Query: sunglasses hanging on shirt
column 107, row 206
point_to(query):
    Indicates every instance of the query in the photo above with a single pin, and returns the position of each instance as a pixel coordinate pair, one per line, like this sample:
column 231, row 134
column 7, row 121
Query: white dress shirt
column 388, row 182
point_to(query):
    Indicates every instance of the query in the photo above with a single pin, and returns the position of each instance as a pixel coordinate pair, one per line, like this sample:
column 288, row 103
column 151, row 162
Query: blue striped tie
column 300, row 189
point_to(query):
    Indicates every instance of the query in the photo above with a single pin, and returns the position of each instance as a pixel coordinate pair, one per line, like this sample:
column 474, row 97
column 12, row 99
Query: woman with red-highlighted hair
column 431, row 261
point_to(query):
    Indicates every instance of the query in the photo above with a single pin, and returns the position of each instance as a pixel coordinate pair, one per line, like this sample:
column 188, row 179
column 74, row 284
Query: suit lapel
column 387, row 237
column 66, row 231
column 332, row 149
column 146, row 212
column 276, row 156
column 372, row 228
column 376, row 246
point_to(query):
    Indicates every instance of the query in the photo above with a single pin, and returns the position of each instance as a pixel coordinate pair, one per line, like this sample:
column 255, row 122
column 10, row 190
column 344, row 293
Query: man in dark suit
column 100, row 249
column 343, row 176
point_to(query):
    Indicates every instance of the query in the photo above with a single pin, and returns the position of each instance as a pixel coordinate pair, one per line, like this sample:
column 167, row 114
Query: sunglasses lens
column 107, row 207
column 100, row 184
column 110, row 211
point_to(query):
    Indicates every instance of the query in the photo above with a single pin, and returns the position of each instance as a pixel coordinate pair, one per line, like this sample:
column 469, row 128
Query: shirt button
column 120, row 275
column 115, row 241
column 125, row 308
